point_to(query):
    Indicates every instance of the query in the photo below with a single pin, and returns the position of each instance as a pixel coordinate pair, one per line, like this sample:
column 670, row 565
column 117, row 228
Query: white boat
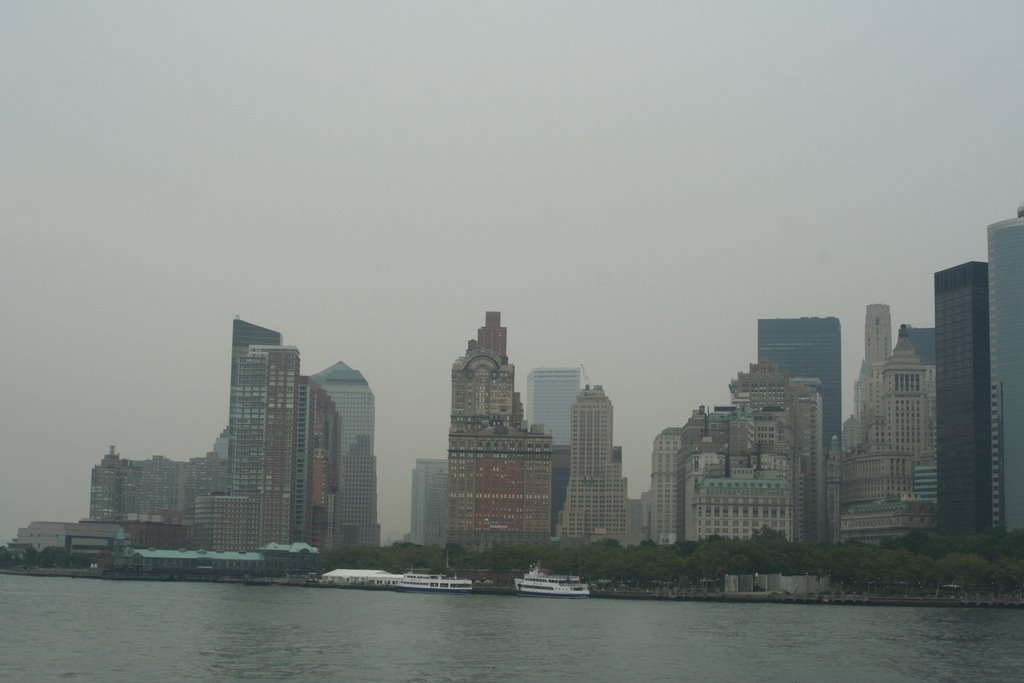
column 413, row 582
column 539, row 583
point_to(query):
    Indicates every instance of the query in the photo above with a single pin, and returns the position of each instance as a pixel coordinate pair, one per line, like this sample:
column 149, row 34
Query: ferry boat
column 539, row 583
column 413, row 582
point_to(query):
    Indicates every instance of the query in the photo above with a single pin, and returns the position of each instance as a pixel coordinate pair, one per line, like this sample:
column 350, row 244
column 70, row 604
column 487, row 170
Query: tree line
column 916, row 564
column 31, row 558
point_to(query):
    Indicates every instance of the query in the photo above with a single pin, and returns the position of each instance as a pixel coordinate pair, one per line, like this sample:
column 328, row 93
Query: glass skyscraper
column 962, row 388
column 1006, row 343
column 357, row 488
column 808, row 347
column 428, row 523
column 550, row 393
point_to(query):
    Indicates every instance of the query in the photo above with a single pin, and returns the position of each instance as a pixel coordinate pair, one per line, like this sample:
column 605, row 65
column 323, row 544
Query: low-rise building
column 77, row 537
column 872, row 522
column 273, row 560
column 361, row 577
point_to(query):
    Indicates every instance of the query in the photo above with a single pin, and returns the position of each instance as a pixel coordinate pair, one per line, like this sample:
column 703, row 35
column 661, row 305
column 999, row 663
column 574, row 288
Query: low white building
column 361, row 577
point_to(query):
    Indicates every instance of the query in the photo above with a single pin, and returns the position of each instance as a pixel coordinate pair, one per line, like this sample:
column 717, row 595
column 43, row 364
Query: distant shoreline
column 858, row 599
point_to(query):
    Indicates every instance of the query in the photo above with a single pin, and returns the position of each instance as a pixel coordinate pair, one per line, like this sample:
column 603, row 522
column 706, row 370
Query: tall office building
column 595, row 506
column 317, row 463
column 877, row 349
column 264, row 438
column 550, row 393
column 243, row 335
column 561, row 466
column 923, row 339
column 665, row 457
column 878, row 477
column 428, row 523
column 357, row 478
column 808, row 347
column 1006, row 330
column 499, row 476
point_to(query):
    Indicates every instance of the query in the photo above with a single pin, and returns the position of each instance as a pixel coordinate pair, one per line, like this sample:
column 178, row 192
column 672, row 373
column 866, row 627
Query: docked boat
column 413, row 582
column 540, row 583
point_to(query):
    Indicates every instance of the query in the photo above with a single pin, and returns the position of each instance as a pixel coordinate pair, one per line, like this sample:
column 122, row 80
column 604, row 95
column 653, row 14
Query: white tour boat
column 413, row 582
column 539, row 583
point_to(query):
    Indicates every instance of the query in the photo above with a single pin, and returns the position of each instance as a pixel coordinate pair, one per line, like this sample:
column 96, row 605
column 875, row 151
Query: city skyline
column 635, row 181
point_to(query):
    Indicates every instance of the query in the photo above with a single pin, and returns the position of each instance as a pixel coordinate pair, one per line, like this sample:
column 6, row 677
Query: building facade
column 665, row 454
column 317, row 463
column 429, row 519
column 264, row 438
column 499, row 476
column 962, row 394
column 357, row 522
column 87, row 536
column 898, row 435
column 550, row 393
column 1006, row 330
column 595, row 506
column 115, row 487
column 808, row 347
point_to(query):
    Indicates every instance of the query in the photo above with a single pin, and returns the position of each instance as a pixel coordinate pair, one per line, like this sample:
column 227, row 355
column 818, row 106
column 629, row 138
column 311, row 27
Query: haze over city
column 632, row 187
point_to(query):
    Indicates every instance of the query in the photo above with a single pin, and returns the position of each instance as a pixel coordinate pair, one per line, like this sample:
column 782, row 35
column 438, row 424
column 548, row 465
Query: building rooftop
column 194, row 554
column 291, row 547
column 339, row 373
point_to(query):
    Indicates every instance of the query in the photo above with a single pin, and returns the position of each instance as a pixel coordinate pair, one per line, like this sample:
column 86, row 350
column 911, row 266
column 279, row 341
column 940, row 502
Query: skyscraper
column 264, row 438
column 898, row 435
column 665, row 458
column 244, row 335
column 808, row 347
column 428, row 523
column 1006, row 332
column 595, row 505
column 877, row 349
column 317, row 463
column 499, row 476
column 357, row 478
column 550, row 393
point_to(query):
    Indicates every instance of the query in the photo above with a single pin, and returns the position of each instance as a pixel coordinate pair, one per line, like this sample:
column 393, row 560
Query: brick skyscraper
column 499, row 476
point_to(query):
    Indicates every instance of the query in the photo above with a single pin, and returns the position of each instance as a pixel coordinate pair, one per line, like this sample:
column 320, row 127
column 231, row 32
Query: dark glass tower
column 808, row 347
column 962, row 388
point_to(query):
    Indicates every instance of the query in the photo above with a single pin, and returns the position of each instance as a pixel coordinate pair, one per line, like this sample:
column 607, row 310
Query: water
column 78, row 629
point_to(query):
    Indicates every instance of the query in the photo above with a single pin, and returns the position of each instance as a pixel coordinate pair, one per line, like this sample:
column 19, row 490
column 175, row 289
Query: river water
column 87, row 630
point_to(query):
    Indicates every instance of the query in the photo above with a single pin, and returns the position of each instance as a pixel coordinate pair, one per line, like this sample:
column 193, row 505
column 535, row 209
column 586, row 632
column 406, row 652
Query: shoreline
column 848, row 599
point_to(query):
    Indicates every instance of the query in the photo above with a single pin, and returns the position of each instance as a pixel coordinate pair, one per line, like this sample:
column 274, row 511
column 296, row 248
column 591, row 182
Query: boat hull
column 445, row 591
column 555, row 596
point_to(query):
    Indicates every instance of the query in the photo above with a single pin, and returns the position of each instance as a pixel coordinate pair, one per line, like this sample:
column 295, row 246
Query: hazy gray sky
column 632, row 185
